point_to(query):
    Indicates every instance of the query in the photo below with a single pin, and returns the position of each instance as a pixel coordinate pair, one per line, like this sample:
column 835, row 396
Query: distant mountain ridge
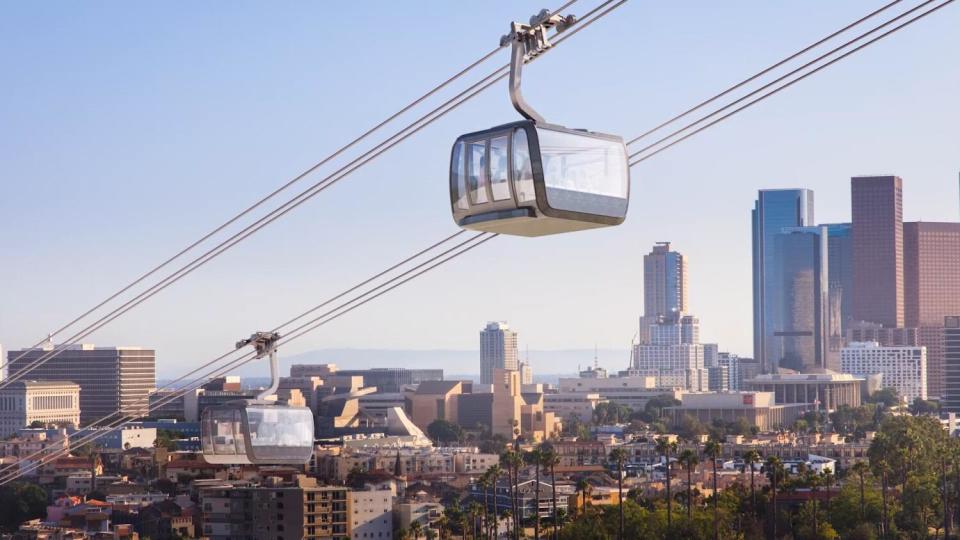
column 460, row 363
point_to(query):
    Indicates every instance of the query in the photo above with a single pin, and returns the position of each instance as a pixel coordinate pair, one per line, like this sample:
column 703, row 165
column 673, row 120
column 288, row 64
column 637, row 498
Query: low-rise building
column 274, row 509
column 427, row 514
column 757, row 408
column 630, row 391
column 498, row 497
column 46, row 402
column 827, row 390
column 572, row 405
column 371, row 513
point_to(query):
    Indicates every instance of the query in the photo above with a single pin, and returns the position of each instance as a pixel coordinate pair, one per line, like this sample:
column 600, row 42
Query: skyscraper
column 840, row 255
column 774, row 210
column 798, row 304
column 111, row 379
column 931, row 288
column 665, row 286
column 931, row 272
column 951, row 357
column 674, row 354
column 498, row 350
column 877, row 211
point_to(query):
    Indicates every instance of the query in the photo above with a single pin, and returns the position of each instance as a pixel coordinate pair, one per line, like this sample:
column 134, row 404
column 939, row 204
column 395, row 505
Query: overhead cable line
column 299, row 199
column 764, row 71
column 727, row 116
column 301, row 330
column 789, row 83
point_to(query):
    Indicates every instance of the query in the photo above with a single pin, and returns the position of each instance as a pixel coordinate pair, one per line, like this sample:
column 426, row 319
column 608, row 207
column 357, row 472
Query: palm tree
column 416, row 529
column 506, row 463
column 493, row 477
column 813, row 482
column 535, row 458
column 689, row 459
column 750, row 458
column 885, row 525
column 516, row 461
column 484, row 482
column 713, row 450
column 774, row 468
column 664, row 447
column 403, row 534
column 583, row 487
column 619, row 455
column 550, row 460
column 475, row 512
column 860, row 468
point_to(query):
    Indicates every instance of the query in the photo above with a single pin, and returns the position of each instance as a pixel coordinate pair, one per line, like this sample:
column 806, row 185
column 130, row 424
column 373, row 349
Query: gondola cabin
column 246, row 432
column 533, row 179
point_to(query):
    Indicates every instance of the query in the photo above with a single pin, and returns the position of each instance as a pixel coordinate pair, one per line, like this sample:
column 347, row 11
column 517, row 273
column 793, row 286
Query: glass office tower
column 774, row 210
column 798, row 303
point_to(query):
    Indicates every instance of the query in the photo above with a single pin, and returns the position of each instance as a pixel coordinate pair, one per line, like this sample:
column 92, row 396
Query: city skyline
column 136, row 175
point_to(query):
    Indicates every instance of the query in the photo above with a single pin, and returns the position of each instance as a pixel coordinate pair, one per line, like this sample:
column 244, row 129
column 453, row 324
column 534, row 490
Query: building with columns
column 828, row 390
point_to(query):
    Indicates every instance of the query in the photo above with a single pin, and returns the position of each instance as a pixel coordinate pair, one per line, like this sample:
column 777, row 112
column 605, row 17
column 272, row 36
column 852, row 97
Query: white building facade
column 674, row 354
column 372, row 513
column 25, row 402
column 903, row 368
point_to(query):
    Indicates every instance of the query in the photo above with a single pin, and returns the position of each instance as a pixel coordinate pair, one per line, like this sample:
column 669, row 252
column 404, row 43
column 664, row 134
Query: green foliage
column 166, row 438
column 611, row 413
column 924, row 406
column 602, row 523
column 443, row 432
column 21, row 502
column 888, row 397
column 855, row 421
column 690, row 428
column 492, row 444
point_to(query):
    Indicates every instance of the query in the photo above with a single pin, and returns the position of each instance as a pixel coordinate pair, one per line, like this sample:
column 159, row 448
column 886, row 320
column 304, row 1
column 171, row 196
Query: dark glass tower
column 798, row 303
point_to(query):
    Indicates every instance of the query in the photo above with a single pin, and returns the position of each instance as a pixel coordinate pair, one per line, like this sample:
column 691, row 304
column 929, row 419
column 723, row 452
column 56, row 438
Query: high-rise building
column 498, row 350
column 665, row 284
column 903, row 368
column 931, row 275
column 931, row 272
column 112, row 379
column 888, row 337
column 734, row 373
column 674, row 354
column 711, row 355
column 877, row 212
column 951, row 357
column 797, row 304
column 774, row 210
column 526, row 373
column 840, row 255
column 25, row 402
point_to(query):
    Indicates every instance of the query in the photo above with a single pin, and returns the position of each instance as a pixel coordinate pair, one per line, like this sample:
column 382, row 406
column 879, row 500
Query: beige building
column 435, row 400
column 512, row 413
column 757, row 408
column 828, row 390
column 25, row 402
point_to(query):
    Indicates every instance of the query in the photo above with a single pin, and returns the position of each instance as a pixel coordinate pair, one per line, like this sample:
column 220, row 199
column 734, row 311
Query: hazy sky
column 131, row 129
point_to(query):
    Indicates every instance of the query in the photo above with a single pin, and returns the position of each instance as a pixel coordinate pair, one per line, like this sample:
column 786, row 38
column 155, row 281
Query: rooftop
column 437, row 387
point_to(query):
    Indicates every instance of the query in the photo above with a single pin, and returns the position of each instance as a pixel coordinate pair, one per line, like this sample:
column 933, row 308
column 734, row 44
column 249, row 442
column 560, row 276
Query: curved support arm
column 516, row 69
column 274, row 377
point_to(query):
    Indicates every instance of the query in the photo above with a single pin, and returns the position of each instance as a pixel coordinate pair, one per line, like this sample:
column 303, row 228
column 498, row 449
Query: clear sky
column 130, row 129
